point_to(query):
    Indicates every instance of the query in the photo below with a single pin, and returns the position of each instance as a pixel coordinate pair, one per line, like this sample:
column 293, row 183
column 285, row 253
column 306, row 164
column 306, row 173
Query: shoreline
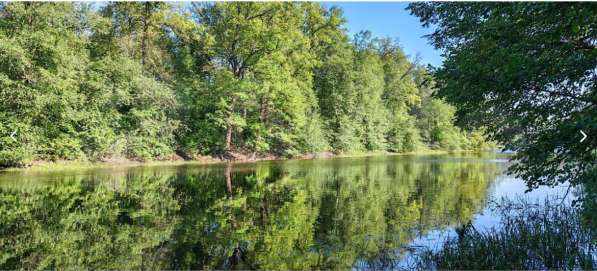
column 46, row 166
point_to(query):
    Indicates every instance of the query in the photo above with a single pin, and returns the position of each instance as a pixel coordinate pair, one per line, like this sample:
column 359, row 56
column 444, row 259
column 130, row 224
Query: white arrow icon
column 584, row 136
column 13, row 136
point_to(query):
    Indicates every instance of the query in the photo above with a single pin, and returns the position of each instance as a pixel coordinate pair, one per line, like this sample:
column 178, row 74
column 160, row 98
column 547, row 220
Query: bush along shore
column 530, row 237
column 145, row 81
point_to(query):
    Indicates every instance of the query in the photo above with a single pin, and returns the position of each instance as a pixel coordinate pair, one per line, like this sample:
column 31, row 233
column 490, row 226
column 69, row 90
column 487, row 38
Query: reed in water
column 531, row 236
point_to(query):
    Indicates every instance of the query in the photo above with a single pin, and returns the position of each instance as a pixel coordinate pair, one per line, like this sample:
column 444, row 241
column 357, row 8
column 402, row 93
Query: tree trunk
column 264, row 110
column 229, row 126
column 228, row 144
column 145, row 33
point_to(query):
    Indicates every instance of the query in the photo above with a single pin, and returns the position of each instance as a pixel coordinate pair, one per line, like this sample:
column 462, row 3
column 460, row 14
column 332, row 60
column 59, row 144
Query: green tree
column 138, row 30
column 368, row 84
column 400, row 95
column 526, row 72
column 235, row 80
column 40, row 62
column 261, row 74
column 127, row 112
column 436, row 125
column 333, row 77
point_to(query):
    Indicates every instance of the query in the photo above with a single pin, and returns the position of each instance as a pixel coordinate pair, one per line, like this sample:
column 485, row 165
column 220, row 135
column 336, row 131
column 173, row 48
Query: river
column 367, row 212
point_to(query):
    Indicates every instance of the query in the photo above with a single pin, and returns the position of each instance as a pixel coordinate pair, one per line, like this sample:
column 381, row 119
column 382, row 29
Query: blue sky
column 392, row 20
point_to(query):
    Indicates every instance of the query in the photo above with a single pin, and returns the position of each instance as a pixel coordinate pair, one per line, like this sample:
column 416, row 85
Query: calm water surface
column 336, row 213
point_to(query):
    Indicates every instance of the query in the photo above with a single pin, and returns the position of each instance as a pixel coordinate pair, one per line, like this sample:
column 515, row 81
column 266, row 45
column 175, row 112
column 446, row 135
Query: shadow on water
column 339, row 213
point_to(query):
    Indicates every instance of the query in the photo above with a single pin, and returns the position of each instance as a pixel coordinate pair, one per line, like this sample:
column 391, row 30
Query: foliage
column 65, row 105
column 147, row 80
column 525, row 71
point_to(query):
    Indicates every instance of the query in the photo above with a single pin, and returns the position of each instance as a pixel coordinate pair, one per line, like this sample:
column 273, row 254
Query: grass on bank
column 47, row 166
column 531, row 236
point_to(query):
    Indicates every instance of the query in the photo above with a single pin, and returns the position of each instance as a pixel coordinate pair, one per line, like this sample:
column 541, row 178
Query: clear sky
column 390, row 19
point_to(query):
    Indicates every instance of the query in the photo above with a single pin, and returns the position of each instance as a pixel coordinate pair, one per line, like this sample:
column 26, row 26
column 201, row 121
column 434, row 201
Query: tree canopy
column 526, row 72
column 149, row 80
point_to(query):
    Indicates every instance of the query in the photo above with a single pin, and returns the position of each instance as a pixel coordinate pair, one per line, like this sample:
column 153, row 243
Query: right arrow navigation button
column 584, row 136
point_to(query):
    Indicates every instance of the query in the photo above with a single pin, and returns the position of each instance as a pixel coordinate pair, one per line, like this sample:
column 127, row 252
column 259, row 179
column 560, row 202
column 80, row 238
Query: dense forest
column 150, row 80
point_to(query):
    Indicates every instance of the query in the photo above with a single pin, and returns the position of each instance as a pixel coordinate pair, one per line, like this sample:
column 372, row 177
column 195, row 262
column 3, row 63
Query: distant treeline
column 147, row 80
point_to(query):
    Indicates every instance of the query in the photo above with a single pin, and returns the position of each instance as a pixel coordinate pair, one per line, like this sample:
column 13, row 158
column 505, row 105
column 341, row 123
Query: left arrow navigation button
column 12, row 136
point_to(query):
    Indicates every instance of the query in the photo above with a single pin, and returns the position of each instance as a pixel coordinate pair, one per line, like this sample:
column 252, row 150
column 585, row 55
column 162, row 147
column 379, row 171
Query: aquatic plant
column 530, row 236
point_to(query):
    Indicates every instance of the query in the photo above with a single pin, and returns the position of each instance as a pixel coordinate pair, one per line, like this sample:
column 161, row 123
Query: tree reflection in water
column 338, row 213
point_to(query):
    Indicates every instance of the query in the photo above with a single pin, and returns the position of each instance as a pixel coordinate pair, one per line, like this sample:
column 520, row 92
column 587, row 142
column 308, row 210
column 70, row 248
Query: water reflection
column 337, row 213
